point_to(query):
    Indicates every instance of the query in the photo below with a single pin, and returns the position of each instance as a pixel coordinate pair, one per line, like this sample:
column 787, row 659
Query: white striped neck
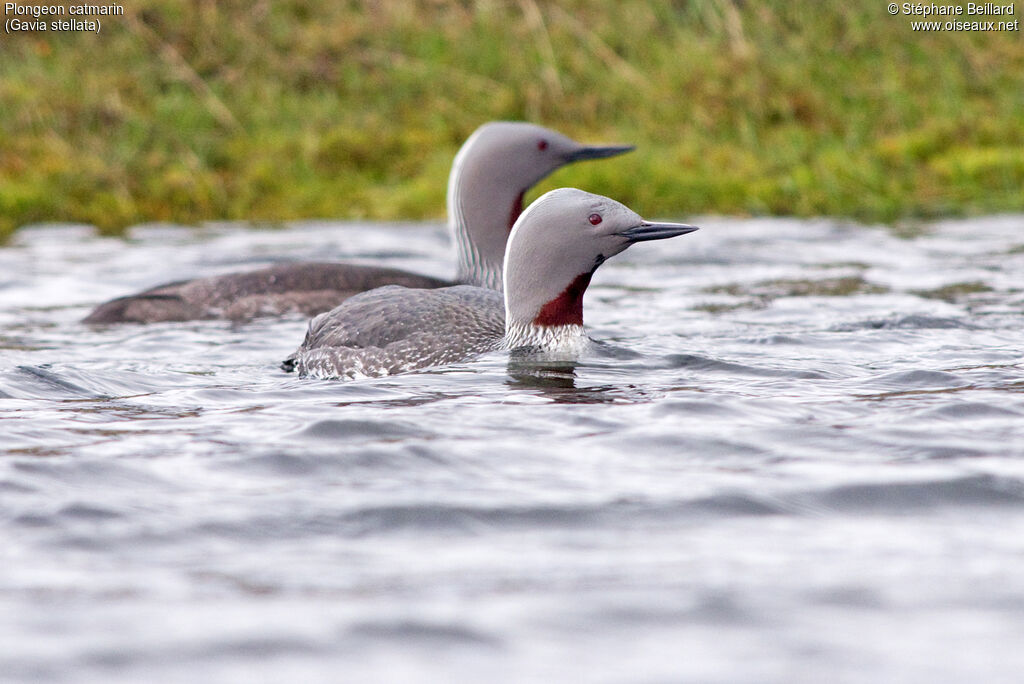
column 482, row 208
column 558, row 341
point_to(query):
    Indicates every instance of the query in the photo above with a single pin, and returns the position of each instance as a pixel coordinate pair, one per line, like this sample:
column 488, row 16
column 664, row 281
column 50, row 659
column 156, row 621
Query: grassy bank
column 186, row 111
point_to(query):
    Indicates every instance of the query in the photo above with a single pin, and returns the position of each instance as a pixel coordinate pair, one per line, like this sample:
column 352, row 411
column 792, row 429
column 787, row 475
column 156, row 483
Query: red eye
column 542, row 145
column 594, row 219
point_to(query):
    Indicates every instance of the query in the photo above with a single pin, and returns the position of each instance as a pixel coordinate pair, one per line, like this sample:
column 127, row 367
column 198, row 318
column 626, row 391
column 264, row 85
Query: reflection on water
column 782, row 425
column 526, row 373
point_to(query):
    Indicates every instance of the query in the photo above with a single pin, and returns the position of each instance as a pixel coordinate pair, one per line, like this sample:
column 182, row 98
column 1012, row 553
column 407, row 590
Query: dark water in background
column 800, row 458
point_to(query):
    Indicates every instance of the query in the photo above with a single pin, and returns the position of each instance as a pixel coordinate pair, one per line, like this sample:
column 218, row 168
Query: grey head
column 495, row 167
column 555, row 247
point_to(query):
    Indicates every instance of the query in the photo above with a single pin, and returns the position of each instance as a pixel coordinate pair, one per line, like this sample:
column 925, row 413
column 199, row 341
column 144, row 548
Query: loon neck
column 545, row 338
column 557, row 325
column 480, row 234
column 481, row 216
column 514, row 211
column 567, row 307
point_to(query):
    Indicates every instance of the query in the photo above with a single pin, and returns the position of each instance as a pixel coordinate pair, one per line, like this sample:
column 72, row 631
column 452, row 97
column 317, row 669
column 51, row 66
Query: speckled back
column 394, row 329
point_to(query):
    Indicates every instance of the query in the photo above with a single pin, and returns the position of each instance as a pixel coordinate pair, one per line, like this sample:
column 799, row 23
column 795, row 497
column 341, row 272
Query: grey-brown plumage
column 491, row 172
column 394, row 329
column 306, row 288
column 555, row 247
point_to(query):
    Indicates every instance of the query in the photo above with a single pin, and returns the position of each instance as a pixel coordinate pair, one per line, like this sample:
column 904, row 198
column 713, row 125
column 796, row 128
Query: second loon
column 492, row 171
column 554, row 249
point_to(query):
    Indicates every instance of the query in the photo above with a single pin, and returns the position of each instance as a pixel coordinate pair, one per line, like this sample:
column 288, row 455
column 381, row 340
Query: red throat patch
column 566, row 308
column 517, row 209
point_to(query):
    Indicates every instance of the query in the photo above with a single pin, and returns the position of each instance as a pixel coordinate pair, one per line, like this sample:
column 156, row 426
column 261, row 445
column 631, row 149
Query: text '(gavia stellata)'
column 554, row 249
column 499, row 162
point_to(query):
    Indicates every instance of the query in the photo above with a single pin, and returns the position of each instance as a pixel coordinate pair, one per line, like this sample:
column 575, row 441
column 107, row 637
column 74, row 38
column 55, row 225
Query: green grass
column 186, row 111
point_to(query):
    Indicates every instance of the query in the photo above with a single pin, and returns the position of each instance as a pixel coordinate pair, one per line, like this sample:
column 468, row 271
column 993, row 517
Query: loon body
column 494, row 168
column 554, row 249
column 307, row 288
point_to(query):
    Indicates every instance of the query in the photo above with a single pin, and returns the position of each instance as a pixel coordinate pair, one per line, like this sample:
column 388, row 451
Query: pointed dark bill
column 598, row 152
column 656, row 231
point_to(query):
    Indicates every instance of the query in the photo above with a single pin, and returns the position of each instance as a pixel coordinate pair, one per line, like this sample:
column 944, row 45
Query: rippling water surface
column 799, row 457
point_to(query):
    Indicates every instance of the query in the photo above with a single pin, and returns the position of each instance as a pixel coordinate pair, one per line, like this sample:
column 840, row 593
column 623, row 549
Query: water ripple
column 785, row 424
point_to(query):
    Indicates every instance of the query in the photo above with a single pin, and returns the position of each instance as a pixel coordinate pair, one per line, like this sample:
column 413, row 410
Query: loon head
column 495, row 167
column 555, row 247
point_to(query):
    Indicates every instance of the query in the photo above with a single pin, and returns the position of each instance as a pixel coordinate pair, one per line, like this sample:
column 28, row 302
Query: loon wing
column 393, row 329
column 308, row 288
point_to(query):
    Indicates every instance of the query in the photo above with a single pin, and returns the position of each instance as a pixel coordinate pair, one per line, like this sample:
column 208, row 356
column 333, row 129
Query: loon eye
column 542, row 144
column 594, row 219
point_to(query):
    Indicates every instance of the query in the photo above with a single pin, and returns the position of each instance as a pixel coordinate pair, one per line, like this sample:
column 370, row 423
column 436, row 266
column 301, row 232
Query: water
column 799, row 457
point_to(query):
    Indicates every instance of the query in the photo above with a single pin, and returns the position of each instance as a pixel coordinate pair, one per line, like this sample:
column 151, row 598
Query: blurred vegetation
column 185, row 110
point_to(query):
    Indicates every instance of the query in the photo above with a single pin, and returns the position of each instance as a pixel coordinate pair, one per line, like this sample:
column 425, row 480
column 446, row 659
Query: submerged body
column 553, row 251
column 306, row 288
column 491, row 172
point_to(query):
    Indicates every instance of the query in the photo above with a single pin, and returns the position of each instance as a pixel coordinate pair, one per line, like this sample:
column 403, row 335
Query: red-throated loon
column 554, row 249
column 499, row 162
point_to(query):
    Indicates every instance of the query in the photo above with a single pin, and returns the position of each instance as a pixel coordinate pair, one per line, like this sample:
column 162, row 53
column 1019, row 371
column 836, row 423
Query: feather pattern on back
column 394, row 329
